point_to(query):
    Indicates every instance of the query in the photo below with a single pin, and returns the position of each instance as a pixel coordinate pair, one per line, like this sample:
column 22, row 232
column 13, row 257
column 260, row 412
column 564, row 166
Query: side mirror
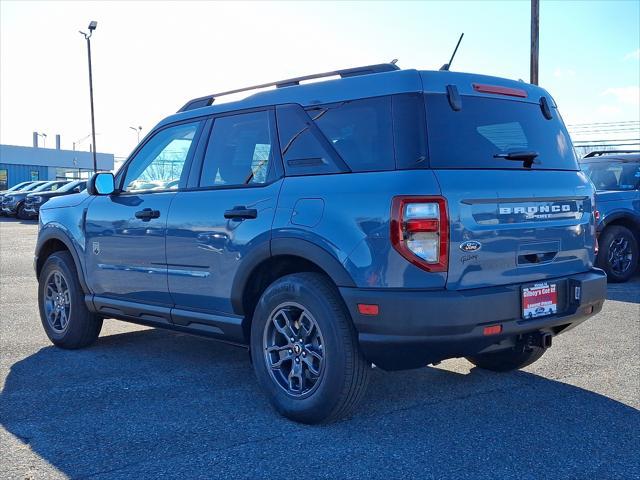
column 101, row 183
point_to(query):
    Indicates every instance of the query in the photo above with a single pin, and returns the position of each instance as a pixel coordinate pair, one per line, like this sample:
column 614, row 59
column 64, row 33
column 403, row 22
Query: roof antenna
column 394, row 61
column 446, row 66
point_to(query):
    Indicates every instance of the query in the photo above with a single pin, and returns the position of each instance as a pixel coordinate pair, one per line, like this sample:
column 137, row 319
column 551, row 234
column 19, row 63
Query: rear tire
column 507, row 360
column 321, row 375
column 66, row 319
column 618, row 255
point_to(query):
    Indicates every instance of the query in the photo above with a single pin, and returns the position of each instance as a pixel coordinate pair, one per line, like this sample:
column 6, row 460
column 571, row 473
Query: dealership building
column 19, row 164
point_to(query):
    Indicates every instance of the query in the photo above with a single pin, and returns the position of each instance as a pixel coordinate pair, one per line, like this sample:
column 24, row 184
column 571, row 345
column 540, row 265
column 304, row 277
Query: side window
column 304, row 149
column 160, row 162
column 240, row 150
column 361, row 131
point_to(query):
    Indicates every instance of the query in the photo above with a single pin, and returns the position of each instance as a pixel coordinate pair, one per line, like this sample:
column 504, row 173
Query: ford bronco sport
column 616, row 176
column 389, row 217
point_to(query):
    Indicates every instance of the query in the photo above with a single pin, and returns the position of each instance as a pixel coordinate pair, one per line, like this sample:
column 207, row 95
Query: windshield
column 32, row 187
column 18, row 186
column 612, row 175
column 69, row 186
column 49, row 186
column 485, row 131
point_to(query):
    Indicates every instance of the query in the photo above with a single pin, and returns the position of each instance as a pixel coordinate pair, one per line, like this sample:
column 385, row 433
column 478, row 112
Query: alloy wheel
column 620, row 255
column 57, row 301
column 294, row 349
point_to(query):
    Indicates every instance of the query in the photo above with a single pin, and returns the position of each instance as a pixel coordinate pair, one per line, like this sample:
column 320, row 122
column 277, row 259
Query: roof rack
column 598, row 153
column 348, row 72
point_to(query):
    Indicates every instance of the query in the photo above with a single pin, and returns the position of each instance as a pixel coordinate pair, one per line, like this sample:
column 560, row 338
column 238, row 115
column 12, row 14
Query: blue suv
column 616, row 176
column 389, row 217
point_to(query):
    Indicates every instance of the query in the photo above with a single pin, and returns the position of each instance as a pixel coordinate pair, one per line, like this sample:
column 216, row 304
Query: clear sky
column 151, row 57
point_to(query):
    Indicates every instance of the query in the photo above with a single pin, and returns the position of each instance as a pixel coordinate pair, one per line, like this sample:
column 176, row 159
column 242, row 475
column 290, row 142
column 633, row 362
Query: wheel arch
column 623, row 219
column 54, row 240
column 286, row 256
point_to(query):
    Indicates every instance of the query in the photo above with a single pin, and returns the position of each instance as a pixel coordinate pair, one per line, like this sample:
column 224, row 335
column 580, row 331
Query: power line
column 603, row 123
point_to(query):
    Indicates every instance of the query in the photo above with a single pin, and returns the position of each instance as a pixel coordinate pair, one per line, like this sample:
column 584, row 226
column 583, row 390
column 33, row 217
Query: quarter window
column 160, row 162
column 361, row 131
column 240, row 150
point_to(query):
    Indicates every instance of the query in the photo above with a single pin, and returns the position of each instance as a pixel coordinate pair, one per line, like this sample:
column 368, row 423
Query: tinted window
column 613, row 175
column 71, row 185
column 240, row 150
column 305, row 150
column 31, row 187
column 48, row 187
column 361, row 131
column 19, row 186
column 409, row 131
column 160, row 162
column 484, row 127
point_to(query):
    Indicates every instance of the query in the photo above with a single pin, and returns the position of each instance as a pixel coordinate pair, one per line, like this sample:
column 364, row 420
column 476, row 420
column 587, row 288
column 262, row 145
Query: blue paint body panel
column 190, row 266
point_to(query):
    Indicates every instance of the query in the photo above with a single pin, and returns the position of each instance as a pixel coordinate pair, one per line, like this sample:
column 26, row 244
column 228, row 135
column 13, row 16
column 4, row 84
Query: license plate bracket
column 539, row 300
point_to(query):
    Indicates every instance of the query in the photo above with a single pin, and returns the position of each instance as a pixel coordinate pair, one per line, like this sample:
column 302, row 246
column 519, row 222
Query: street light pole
column 44, row 138
column 137, row 130
column 92, row 26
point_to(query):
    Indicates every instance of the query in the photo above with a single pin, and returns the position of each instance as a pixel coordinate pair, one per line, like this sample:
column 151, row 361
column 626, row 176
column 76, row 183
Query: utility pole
column 535, row 34
column 87, row 36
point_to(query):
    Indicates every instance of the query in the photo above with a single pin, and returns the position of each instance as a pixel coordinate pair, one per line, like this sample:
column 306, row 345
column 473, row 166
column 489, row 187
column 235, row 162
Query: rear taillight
column 420, row 231
column 596, row 216
column 596, row 221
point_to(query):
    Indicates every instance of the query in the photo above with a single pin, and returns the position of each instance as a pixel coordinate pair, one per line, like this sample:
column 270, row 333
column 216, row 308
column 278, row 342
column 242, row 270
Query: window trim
column 122, row 172
column 197, row 167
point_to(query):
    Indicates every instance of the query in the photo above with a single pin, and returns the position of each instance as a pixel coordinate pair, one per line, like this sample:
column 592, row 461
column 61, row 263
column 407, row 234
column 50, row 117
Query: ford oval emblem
column 470, row 246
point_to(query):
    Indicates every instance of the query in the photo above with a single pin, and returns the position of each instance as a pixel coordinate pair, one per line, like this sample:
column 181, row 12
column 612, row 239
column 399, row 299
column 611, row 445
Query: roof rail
column 348, row 72
column 598, row 153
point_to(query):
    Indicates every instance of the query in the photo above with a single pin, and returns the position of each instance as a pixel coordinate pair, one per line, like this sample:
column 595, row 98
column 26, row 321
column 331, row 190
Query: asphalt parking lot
column 145, row 403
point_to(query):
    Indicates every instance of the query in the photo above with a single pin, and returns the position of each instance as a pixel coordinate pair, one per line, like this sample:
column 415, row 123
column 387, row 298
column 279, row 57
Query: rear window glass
column 361, row 131
column 619, row 176
column 484, row 127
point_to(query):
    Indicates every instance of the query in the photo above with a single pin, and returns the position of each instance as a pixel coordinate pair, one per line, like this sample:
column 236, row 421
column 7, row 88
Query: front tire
column 305, row 351
column 618, row 255
column 507, row 360
column 65, row 317
column 20, row 212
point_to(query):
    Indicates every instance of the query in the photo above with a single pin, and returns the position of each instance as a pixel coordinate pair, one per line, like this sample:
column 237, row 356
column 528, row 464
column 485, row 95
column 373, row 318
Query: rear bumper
column 415, row 328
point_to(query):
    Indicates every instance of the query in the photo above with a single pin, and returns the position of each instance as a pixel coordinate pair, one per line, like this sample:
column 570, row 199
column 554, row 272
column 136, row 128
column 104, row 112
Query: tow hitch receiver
column 537, row 339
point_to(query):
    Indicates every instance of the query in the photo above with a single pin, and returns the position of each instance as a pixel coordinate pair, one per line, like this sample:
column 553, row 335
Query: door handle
column 147, row 214
column 241, row 212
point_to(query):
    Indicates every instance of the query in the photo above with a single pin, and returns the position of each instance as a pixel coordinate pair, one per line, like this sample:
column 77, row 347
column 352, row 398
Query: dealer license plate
column 539, row 300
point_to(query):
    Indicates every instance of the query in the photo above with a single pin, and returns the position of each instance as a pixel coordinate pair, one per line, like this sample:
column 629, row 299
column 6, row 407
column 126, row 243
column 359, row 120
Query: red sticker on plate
column 539, row 300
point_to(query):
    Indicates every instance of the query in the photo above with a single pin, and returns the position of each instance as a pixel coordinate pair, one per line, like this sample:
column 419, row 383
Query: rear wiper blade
column 521, row 156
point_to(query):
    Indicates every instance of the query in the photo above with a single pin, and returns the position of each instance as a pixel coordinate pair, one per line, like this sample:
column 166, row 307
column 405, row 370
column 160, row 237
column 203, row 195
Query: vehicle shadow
column 625, row 292
column 32, row 221
column 152, row 403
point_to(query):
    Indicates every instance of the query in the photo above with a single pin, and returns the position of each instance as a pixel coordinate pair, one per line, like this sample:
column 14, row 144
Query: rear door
column 125, row 231
column 225, row 216
column 520, row 209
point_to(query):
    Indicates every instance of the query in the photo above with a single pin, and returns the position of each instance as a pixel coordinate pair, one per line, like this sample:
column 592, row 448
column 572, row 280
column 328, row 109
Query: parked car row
column 25, row 199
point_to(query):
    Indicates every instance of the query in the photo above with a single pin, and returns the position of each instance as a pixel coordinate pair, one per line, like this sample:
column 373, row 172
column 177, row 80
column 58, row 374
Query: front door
column 125, row 231
column 211, row 229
